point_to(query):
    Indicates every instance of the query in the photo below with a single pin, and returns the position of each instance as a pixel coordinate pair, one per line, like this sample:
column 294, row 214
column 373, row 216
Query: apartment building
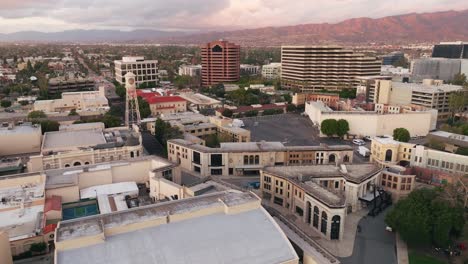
column 146, row 71
column 271, row 71
column 322, row 195
column 88, row 102
column 220, row 62
column 83, row 144
column 17, row 139
column 248, row 158
column 386, row 151
column 418, row 120
column 217, row 220
column 314, row 68
column 430, row 94
column 190, row 70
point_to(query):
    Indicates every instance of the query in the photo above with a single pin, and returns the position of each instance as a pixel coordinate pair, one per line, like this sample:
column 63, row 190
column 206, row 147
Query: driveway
column 373, row 244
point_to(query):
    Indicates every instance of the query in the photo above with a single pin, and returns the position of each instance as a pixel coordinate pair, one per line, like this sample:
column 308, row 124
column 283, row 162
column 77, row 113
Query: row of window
column 251, row 160
column 447, row 165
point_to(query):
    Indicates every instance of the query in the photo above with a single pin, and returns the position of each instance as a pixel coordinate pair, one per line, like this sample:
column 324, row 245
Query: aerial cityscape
column 233, row 131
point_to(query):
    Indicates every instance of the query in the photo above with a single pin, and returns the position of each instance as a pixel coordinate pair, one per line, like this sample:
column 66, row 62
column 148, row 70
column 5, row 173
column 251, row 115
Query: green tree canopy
column 144, row 107
column 36, row 114
column 73, row 112
column 459, row 79
column 342, row 127
column 47, row 125
column 458, row 102
column 329, row 127
column 5, row 103
column 291, row 108
column 227, row 112
column 426, row 217
column 401, row 134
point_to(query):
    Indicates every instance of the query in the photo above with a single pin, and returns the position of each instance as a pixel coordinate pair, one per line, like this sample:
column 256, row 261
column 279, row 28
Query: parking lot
column 293, row 130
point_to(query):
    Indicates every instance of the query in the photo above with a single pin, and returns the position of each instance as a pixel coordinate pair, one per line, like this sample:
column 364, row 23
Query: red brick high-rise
column 220, row 62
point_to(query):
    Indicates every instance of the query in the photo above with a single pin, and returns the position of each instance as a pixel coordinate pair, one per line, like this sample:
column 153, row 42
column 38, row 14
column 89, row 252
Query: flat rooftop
column 419, row 87
column 249, row 236
column 199, row 99
column 26, row 128
column 64, row 140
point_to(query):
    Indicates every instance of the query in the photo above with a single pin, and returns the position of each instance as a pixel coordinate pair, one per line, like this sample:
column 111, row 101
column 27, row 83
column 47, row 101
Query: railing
column 327, row 255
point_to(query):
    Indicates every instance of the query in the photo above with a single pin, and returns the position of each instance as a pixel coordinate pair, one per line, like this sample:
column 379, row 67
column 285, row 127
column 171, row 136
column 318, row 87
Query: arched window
column 346, row 158
column 332, row 158
column 217, row 48
column 246, row 159
column 251, row 159
column 335, row 227
column 309, row 212
column 67, row 165
column 86, row 163
column 77, row 163
column 388, row 155
column 132, row 155
column 323, row 225
column 257, row 159
column 103, row 159
column 316, row 217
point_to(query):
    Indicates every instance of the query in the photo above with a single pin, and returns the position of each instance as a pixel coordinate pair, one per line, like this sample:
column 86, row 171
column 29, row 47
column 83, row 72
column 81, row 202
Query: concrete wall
column 20, row 141
column 5, row 251
column 69, row 194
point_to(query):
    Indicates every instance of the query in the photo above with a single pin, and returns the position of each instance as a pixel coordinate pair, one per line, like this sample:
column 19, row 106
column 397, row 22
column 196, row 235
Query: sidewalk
column 339, row 248
column 401, row 250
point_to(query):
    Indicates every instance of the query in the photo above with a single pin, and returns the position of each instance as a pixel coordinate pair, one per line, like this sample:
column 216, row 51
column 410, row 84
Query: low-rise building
column 167, row 105
column 258, row 108
column 327, row 98
column 431, row 94
column 228, row 217
column 247, row 69
column 17, row 139
column 190, row 70
column 417, row 120
column 199, row 101
column 242, row 158
column 79, row 145
column 271, row 71
column 451, row 141
column 61, row 84
column 86, row 103
column 388, row 152
column 321, row 195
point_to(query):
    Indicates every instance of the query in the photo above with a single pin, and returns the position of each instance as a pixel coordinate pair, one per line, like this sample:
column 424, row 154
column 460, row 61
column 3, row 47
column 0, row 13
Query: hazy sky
column 57, row 15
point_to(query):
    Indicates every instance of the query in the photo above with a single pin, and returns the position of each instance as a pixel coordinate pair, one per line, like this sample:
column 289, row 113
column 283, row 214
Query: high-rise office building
column 146, row 71
column 392, row 57
column 314, row 68
column 220, row 62
column 451, row 50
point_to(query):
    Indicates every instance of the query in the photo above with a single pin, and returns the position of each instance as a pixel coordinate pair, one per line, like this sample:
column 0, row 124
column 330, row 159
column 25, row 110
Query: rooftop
column 66, row 140
column 26, row 128
column 199, row 99
column 418, row 87
column 217, row 236
column 164, row 99
column 457, row 139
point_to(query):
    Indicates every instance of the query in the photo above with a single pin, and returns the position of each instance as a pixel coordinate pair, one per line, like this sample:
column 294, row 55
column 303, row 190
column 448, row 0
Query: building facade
column 20, row 139
column 60, row 85
column 190, row 70
column 314, row 68
column 247, row 69
column 238, row 159
column 146, row 71
column 271, row 71
column 87, row 102
column 163, row 105
column 220, row 62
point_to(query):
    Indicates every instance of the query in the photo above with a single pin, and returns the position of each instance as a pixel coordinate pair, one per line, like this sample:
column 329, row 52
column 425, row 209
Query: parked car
column 9, row 110
column 359, row 142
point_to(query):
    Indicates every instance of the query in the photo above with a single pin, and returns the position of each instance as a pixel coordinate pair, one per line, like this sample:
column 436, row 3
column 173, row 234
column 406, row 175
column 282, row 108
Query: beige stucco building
column 84, row 144
column 237, row 159
column 232, row 224
column 16, row 139
column 86, row 103
column 322, row 195
column 372, row 123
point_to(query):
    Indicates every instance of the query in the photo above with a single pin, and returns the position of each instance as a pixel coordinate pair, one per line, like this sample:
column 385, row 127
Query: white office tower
column 132, row 111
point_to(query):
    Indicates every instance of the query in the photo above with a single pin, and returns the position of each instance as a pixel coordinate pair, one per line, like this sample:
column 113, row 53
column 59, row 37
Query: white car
column 359, row 142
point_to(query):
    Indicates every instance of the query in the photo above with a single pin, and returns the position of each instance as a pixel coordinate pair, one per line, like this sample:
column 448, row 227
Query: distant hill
column 430, row 27
column 90, row 36
column 408, row 28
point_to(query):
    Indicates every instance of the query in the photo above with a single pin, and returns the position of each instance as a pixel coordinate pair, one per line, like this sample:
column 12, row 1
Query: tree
column 5, row 103
column 251, row 113
column 457, row 102
column 38, row 247
column 402, row 62
column 110, row 121
column 462, row 151
column 164, row 132
column 73, row 112
column 291, row 108
column 48, row 125
column 329, row 127
column 36, row 114
column 401, row 134
column 459, row 79
column 227, row 112
column 120, row 90
column 426, row 217
column 144, row 107
column 342, row 127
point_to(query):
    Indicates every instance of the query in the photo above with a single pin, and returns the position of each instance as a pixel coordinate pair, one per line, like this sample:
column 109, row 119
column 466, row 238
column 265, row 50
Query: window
column 216, row 171
column 251, row 159
column 337, row 185
column 196, row 169
column 257, row 159
column 278, row 200
column 299, row 211
column 216, row 160
column 231, row 171
column 323, row 226
column 316, row 217
column 246, row 160
column 196, row 158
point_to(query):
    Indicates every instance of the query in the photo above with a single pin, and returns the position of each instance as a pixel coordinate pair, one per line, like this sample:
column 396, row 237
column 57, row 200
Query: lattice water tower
column 132, row 111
